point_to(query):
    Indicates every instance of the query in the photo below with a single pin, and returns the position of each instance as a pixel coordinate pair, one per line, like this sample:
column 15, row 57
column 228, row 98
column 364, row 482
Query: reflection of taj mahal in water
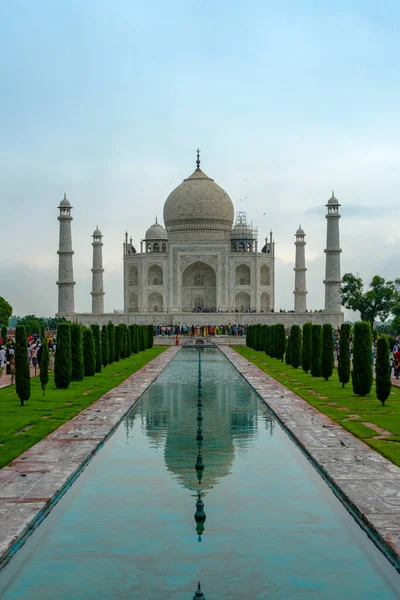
column 203, row 261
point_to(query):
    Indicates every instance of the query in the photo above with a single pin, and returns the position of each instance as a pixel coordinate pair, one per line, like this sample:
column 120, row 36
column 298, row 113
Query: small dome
column 333, row 201
column 156, row 232
column 97, row 232
column 300, row 231
column 65, row 203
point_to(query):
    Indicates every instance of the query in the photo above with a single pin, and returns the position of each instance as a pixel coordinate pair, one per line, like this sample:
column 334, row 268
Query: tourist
column 2, row 357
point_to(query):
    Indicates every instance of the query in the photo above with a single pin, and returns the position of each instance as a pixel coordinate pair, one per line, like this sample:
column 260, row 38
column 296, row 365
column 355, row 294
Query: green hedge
column 105, row 350
column 22, row 373
column 76, row 352
column 295, row 346
column 382, row 368
column 344, row 354
column 63, row 356
column 362, row 359
column 316, row 350
column 327, row 357
column 306, row 348
column 97, row 347
column 89, row 353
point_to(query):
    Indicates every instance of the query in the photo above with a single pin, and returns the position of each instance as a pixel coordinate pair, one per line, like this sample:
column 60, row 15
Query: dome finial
column 156, row 219
column 198, row 159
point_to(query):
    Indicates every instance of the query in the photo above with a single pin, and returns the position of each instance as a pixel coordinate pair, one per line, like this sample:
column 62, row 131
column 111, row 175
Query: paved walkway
column 33, row 480
column 5, row 380
column 369, row 481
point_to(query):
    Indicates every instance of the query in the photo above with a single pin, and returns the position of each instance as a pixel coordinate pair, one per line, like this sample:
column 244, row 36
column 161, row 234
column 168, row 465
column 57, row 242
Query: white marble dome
column 156, row 232
column 198, row 204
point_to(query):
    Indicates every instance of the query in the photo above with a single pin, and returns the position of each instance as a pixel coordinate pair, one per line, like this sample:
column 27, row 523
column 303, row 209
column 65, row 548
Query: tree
column 288, row 355
column 33, row 325
column 4, row 331
column 63, row 358
column 134, row 339
column 105, row 352
column 42, row 333
column 267, row 339
column 142, row 338
column 382, row 368
column 362, row 358
column 327, row 357
column 118, row 343
column 150, row 336
column 344, row 354
column 128, row 342
column 97, row 346
column 378, row 301
column 111, row 342
column 272, row 341
column 295, row 346
column 316, row 350
column 44, row 365
column 76, row 352
column 307, row 345
column 5, row 312
column 89, row 353
column 395, row 326
column 22, row 373
column 280, row 341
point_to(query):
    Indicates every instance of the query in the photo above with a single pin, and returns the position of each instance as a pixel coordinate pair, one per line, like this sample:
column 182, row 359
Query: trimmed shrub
column 76, row 352
column 123, row 340
column 362, row 359
column 44, row 366
column 382, row 369
column 118, row 343
column 97, row 347
column 105, row 352
column 63, row 356
column 150, row 336
column 89, row 353
column 134, row 339
column 316, row 350
column 111, row 342
column 280, row 341
column 142, row 338
column 327, row 357
column 344, row 354
column 42, row 334
column 22, row 373
column 272, row 342
column 128, row 341
column 295, row 346
column 268, row 340
column 306, row 347
column 288, row 357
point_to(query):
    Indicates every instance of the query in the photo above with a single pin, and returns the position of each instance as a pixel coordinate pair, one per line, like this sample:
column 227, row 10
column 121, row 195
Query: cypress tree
column 288, row 355
column 142, row 338
column 89, row 353
column 76, row 352
column 150, row 336
column 272, row 342
column 123, row 340
column 118, row 343
column 44, row 366
column 344, row 354
column 4, row 331
column 105, row 351
column 382, row 368
column 134, row 340
column 42, row 334
column 63, row 357
column 268, row 340
column 22, row 373
column 362, row 359
column 280, row 341
column 316, row 350
column 306, row 349
column 97, row 347
column 250, row 336
column 295, row 346
column 262, row 338
column 128, row 341
column 111, row 342
column 327, row 357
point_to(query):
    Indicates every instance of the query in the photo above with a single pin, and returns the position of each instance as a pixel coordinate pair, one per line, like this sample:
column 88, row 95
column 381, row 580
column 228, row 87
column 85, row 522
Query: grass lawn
column 341, row 405
column 21, row 427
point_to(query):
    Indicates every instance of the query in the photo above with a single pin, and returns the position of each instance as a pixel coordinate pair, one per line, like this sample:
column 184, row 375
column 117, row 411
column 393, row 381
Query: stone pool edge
column 367, row 483
column 34, row 482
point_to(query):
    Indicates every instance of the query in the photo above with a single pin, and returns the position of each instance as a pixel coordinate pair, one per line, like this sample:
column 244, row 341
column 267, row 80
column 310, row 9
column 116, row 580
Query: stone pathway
column 29, row 485
column 369, row 482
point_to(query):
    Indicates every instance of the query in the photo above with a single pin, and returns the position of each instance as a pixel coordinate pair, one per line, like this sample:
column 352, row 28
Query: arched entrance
column 242, row 301
column 199, row 287
column 155, row 302
column 265, row 302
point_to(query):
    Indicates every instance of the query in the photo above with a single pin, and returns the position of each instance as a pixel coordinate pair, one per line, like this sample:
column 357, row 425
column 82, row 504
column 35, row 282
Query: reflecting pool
column 254, row 520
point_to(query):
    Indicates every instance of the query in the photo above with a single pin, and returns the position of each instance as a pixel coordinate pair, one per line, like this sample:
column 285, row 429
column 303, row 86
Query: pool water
column 126, row 528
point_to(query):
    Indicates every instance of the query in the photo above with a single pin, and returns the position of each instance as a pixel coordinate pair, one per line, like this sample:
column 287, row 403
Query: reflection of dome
column 198, row 205
column 156, row 232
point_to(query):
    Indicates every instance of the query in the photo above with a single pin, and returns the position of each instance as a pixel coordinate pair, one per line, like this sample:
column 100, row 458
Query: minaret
column 97, row 277
column 66, row 305
column 332, row 279
column 300, row 288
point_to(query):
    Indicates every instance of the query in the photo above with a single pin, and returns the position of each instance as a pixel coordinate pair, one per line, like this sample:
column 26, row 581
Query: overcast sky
column 108, row 100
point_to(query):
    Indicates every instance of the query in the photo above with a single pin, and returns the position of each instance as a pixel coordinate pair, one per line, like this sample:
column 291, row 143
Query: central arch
column 199, row 287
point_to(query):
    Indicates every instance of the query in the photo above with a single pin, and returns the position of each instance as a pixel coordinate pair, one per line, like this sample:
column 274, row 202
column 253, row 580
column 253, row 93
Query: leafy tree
column 4, row 331
column 344, row 354
column 280, row 341
column 288, row 355
column 295, row 346
column 63, row 357
column 111, row 342
column 97, row 346
column 327, row 357
column 89, row 353
column 33, row 325
column 51, row 323
column 307, row 345
column 22, row 373
column 395, row 326
column 316, row 350
column 362, row 358
column 76, row 352
column 378, row 301
column 5, row 312
column 44, row 365
column 382, row 367
column 105, row 352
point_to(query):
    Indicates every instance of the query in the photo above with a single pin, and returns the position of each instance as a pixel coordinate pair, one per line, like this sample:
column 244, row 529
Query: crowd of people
column 199, row 330
column 34, row 349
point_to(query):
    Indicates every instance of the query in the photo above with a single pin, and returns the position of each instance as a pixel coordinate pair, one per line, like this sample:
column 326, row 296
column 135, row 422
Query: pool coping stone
column 32, row 483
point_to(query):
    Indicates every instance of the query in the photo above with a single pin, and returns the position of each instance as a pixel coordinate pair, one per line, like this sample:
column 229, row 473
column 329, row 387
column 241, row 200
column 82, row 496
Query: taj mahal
column 203, row 260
